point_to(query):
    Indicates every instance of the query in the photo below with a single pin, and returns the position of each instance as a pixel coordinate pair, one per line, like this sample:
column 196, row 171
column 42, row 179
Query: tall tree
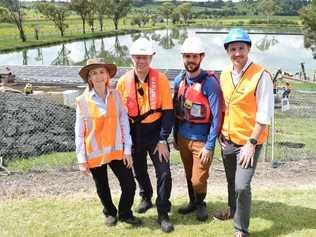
column 185, row 11
column 15, row 10
column 308, row 15
column 118, row 9
column 55, row 13
column 166, row 10
column 83, row 8
column 268, row 8
column 101, row 10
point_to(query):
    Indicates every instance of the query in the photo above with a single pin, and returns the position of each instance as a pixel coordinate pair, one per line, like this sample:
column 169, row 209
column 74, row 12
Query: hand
column 247, row 152
column 84, row 170
column 128, row 161
column 221, row 141
column 206, row 156
column 163, row 152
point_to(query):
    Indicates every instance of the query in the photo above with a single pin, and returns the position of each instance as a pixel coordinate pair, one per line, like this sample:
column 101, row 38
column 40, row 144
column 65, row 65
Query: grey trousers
column 238, row 182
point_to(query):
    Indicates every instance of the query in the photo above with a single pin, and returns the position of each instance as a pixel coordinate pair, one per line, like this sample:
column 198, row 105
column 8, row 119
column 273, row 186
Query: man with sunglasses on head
column 197, row 100
column 147, row 95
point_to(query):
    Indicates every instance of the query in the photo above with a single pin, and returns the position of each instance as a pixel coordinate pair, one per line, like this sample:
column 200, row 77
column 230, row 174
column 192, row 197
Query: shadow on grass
column 284, row 219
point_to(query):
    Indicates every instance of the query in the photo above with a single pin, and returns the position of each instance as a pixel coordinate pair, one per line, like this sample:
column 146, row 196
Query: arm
column 215, row 100
column 125, row 128
column 167, row 119
column 265, row 104
column 79, row 139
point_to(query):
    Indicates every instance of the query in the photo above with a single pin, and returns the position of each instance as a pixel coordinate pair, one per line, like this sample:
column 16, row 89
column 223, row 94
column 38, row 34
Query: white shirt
column 79, row 126
column 264, row 94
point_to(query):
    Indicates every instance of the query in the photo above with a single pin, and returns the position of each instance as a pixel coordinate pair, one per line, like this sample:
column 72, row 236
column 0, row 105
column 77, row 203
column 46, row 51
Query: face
column 98, row 77
column 141, row 62
column 192, row 61
column 238, row 53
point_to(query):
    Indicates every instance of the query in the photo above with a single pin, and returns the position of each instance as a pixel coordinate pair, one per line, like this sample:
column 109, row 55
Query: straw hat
column 97, row 62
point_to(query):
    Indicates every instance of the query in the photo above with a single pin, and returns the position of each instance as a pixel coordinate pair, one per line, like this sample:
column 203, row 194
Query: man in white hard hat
column 147, row 95
column 197, row 102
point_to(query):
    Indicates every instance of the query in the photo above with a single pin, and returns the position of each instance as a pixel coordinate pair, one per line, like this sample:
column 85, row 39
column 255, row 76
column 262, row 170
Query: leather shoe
column 224, row 215
column 132, row 220
column 144, row 206
column 110, row 221
column 201, row 213
column 187, row 209
column 164, row 222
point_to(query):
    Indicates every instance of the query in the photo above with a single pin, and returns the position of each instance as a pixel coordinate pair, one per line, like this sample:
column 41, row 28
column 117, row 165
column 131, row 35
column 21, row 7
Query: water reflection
column 39, row 57
column 266, row 42
column 166, row 41
column 25, row 57
column 272, row 51
column 63, row 57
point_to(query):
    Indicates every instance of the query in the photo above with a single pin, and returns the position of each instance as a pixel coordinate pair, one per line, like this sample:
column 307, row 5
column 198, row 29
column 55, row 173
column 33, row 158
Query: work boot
column 132, row 220
column 144, row 205
column 191, row 206
column 110, row 220
column 201, row 211
column 224, row 215
column 187, row 209
column 164, row 222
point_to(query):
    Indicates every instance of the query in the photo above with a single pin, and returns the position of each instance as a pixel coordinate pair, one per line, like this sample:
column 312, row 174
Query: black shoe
column 132, row 220
column 201, row 213
column 187, row 209
column 164, row 222
column 110, row 220
column 144, row 205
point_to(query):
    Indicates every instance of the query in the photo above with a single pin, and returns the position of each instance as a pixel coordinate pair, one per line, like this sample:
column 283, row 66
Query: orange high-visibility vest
column 102, row 136
column 130, row 99
column 241, row 106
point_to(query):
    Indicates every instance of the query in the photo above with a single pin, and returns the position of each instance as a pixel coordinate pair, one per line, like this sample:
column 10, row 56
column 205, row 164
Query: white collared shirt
column 102, row 105
column 264, row 94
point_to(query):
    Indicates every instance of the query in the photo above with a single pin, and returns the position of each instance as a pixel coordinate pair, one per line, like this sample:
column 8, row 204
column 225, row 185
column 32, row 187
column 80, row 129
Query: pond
column 270, row 50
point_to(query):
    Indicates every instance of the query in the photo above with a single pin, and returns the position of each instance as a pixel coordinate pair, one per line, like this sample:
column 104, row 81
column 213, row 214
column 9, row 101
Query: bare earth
column 61, row 183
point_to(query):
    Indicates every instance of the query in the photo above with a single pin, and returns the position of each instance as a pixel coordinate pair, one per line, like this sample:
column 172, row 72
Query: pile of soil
column 30, row 126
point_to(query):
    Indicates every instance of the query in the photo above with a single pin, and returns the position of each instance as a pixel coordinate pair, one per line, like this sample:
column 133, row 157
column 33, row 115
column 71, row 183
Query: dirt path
column 60, row 183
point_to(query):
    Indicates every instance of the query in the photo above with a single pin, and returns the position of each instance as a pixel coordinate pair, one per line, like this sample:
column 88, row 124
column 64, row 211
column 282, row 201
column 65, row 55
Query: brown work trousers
column 194, row 169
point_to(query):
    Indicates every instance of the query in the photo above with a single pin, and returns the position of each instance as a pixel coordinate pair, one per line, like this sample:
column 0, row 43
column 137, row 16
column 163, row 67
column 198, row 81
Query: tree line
column 175, row 12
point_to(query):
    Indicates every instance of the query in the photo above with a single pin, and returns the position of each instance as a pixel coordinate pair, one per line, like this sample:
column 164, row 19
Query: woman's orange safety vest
column 241, row 106
column 102, row 136
column 131, row 99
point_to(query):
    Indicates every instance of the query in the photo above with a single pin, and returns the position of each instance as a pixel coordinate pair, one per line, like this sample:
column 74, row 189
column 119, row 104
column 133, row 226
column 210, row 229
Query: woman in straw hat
column 103, row 139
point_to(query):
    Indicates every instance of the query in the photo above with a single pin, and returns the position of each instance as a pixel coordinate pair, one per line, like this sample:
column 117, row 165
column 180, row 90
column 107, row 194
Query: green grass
column 67, row 160
column 274, row 213
column 303, row 86
column 44, row 162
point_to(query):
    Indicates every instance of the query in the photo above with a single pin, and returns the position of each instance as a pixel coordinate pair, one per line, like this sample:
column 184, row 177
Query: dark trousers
column 239, row 187
column 127, row 183
column 162, row 169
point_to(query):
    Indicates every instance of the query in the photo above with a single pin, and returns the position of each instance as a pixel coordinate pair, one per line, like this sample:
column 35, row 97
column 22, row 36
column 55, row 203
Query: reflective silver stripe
column 85, row 111
column 118, row 134
column 104, row 151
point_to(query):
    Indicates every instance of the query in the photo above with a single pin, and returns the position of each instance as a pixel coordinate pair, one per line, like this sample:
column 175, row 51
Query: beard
column 191, row 67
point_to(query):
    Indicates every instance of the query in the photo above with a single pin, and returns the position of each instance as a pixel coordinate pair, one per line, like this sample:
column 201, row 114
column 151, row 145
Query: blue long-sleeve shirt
column 203, row 132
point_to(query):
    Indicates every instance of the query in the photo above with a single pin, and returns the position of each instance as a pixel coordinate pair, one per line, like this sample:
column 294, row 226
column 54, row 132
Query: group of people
column 118, row 127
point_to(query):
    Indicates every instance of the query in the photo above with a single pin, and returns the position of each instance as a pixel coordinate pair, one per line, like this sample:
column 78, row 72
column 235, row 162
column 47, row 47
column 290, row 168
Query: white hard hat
column 142, row 46
column 192, row 44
